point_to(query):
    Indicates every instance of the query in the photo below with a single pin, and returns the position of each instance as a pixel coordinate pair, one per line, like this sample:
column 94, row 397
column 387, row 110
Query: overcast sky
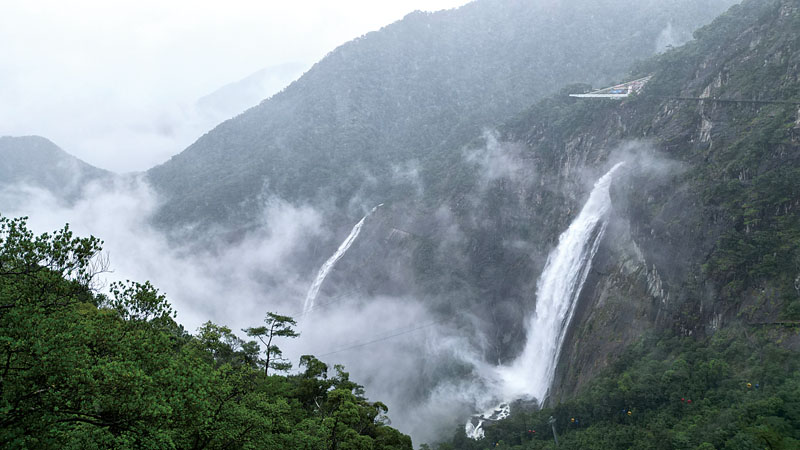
column 115, row 82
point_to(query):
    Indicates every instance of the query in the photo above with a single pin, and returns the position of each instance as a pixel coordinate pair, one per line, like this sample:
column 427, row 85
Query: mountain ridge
column 403, row 93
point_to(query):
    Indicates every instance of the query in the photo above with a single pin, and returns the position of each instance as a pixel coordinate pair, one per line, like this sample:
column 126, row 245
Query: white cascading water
column 328, row 266
column 558, row 289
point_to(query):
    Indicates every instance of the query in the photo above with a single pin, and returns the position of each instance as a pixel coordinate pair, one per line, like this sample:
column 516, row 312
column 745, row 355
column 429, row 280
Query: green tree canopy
column 80, row 370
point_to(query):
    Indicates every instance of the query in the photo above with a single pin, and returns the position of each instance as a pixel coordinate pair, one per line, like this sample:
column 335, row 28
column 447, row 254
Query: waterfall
column 557, row 293
column 328, row 266
column 530, row 375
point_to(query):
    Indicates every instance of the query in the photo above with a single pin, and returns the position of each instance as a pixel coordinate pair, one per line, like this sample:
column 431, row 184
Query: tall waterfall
column 558, row 289
column 328, row 266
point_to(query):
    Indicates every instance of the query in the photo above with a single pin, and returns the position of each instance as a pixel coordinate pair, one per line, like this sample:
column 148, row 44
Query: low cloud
column 394, row 346
column 670, row 37
column 498, row 160
column 230, row 285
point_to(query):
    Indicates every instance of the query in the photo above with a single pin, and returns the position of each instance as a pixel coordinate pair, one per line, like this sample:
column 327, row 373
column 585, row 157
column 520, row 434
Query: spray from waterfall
column 531, row 374
column 328, row 266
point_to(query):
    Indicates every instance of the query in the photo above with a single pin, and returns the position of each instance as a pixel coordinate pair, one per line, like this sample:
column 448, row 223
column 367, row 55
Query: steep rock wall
column 696, row 246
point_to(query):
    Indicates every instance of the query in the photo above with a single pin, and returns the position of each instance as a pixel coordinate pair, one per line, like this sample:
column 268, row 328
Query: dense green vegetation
column 83, row 370
column 415, row 91
column 737, row 390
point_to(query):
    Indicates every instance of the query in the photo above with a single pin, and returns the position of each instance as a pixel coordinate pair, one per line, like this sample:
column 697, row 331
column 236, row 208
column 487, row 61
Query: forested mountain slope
column 712, row 219
column 414, row 90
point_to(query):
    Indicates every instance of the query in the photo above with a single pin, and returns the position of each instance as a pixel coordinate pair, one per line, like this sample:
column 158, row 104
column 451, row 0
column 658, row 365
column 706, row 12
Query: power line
column 364, row 344
column 397, row 331
column 729, row 100
column 302, row 313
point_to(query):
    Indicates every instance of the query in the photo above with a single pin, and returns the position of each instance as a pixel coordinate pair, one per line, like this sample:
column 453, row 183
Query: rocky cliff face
column 707, row 219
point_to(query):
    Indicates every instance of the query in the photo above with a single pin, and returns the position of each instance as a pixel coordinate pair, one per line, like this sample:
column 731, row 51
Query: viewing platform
column 618, row 92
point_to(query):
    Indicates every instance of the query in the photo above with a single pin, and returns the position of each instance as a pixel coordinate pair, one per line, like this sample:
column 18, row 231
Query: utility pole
column 552, row 422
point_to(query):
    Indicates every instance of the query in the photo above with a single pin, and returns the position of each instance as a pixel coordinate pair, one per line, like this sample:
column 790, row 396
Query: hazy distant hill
column 415, row 90
column 234, row 98
column 36, row 162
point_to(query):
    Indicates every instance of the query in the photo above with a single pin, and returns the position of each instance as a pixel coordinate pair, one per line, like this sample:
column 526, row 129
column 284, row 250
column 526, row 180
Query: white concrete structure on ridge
column 619, row 91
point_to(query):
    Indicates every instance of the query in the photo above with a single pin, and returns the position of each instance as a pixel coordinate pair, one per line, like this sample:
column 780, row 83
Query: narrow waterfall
column 531, row 374
column 328, row 266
